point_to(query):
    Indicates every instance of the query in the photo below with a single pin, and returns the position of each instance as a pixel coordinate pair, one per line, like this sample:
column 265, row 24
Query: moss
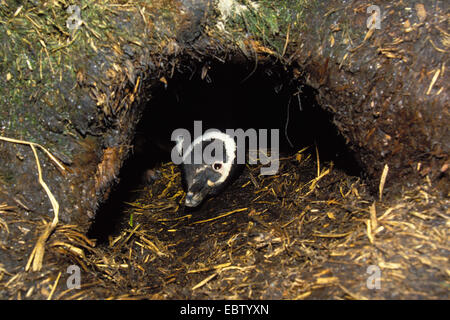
column 40, row 58
column 269, row 21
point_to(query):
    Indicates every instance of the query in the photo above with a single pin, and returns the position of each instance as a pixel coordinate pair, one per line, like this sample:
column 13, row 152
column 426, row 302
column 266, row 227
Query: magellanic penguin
column 209, row 178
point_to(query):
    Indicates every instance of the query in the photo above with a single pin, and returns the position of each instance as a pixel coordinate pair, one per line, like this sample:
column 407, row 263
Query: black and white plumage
column 205, row 179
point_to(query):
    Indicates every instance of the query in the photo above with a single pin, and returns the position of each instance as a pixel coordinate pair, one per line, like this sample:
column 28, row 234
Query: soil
column 310, row 232
column 361, row 213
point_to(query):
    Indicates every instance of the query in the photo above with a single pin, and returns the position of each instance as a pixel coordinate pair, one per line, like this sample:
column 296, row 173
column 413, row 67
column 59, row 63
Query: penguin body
column 210, row 176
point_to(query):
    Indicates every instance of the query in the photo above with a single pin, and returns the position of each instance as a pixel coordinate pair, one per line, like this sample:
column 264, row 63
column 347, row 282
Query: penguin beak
column 194, row 199
column 196, row 193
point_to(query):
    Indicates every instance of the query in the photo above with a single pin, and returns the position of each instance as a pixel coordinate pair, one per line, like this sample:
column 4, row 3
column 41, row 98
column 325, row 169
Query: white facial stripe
column 198, row 170
column 179, row 144
column 228, row 141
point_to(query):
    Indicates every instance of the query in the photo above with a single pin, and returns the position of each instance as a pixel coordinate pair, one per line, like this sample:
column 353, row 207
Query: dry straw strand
column 37, row 254
column 383, row 180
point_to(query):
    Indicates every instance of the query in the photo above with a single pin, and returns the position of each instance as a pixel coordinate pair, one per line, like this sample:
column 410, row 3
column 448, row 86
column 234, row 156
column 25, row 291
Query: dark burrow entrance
column 226, row 96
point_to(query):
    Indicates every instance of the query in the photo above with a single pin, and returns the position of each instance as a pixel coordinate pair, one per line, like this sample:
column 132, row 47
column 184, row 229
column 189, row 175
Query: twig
column 52, row 157
column 54, row 287
column 383, row 180
column 37, row 254
column 287, row 123
column 204, row 281
column 221, row 216
column 287, row 40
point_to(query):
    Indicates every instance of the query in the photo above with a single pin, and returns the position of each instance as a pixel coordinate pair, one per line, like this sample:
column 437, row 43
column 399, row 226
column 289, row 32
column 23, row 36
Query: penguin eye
column 217, row 166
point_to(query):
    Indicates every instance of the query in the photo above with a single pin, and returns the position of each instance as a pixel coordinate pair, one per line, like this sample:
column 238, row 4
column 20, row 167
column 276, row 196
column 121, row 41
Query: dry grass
column 309, row 232
column 300, row 234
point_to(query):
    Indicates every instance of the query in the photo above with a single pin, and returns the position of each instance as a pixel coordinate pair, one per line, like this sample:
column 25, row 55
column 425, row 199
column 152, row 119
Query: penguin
column 209, row 178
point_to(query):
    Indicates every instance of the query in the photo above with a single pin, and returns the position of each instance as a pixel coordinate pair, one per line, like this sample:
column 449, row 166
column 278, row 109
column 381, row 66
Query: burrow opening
column 222, row 96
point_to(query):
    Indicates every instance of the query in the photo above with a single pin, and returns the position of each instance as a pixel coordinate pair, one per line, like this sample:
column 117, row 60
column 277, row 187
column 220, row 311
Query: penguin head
column 209, row 177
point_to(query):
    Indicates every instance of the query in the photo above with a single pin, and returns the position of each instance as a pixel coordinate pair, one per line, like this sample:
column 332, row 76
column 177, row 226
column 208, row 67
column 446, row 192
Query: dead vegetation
column 311, row 232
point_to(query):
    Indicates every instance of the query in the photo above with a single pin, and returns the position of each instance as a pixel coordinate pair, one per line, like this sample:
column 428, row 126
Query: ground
column 315, row 230
column 310, row 232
